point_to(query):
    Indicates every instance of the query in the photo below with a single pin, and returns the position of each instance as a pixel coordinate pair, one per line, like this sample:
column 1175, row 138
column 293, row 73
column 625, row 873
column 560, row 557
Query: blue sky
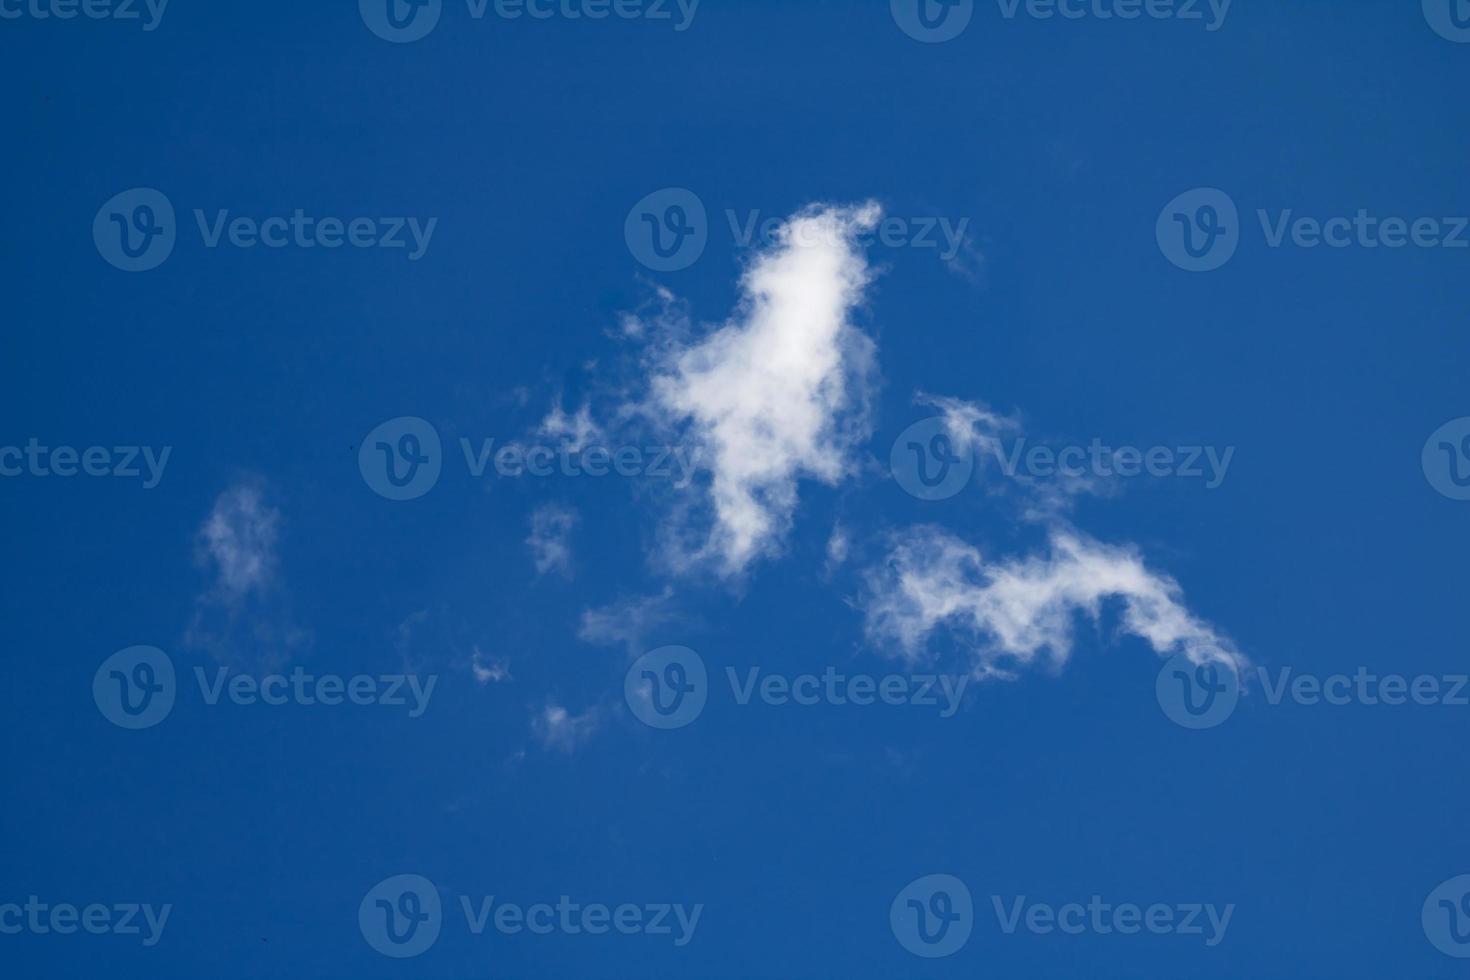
column 863, row 228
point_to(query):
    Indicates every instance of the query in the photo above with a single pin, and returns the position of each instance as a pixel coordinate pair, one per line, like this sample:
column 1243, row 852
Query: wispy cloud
column 968, row 262
column 1009, row 613
column 550, row 539
column 435, row 638
column 838, row 545
column 778, row 394
column 557, row 728
column 488, row 669
column 974, row 426
column 242, row 614
column 970, row 424
column 572, row 432
column 628, row 621
column 238, row 543
column 775, row 395
column 406, row 640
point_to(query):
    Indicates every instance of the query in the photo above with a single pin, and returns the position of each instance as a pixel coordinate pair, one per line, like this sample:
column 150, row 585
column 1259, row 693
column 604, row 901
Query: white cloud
column 975, row 426
column 837, row 546
column 572, row 432
column 968, row 262
column 559, row 729
column 1010, row 613
column 776, row 394
column 631, row 326
column 433, row 639
column 551, row 529
column 627, row 621
column 970, row 424
column 238, row 540
column 243, row 615
column 406, row 641
column 489, row 669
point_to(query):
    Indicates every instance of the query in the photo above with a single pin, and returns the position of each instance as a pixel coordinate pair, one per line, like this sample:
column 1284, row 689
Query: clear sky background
column 1058, row 142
